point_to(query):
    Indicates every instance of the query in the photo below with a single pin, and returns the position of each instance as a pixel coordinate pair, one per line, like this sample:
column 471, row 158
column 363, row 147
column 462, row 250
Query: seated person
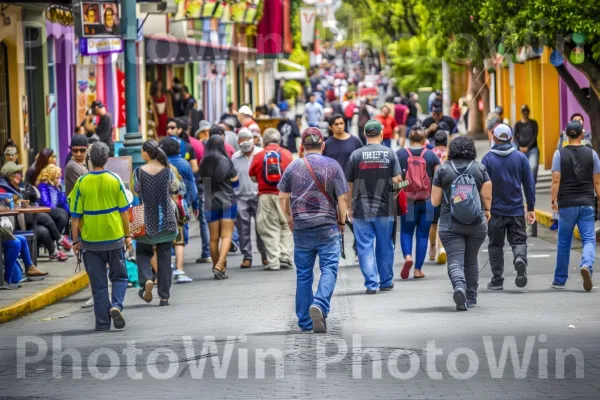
column 51, row 195
column 46, row 233
column 13, row 248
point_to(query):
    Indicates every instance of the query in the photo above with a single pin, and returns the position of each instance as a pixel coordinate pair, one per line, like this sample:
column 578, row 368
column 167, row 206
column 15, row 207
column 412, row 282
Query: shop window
column 33, row 83
column 51, row 76
column 4, row 102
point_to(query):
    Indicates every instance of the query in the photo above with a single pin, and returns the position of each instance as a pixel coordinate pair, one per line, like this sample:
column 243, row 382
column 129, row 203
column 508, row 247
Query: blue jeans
column 387, row 143
column 95, row 264
column 420, row 216
column 310, row 243
column 583, row 217
column 204, row 235
column 12, row 250
column 375, row 246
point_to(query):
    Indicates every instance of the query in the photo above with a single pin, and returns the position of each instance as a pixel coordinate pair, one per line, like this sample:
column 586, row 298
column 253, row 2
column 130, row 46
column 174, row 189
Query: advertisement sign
column 94, row 47
column 100, row 19
column 85, row 90
column 58, row 14
column 308, row 17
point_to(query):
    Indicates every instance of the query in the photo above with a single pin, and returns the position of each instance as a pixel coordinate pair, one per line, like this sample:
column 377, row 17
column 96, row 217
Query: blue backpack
column 465, row 203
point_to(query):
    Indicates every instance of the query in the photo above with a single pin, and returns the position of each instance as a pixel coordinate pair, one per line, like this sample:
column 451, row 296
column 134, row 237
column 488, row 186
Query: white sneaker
column 182, row 278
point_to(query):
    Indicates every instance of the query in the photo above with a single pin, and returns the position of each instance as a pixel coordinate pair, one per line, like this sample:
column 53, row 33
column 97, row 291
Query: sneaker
column 586, row 274
column 147, row 291
column 406, row 269
column 89, row 303
column 117, row 318
column 471, row 303
column 387, row 289
column 494, row 286
column 234, row 247
column 371, row 291
column 460, row 299
column 163, row 303
column 205, row 260
column 181, row 277
column 285, row 264
column 66, row 243
column 432, row 252
column 521, row 267
column 319, row 324
column 441, row 258
column 58, row 256
column 557, row 285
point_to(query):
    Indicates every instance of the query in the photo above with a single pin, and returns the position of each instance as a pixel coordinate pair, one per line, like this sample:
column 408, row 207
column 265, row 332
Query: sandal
column 219, row 271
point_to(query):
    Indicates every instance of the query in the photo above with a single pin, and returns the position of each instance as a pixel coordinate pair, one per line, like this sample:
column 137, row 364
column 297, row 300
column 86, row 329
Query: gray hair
column 271, row 135
column 99, row 153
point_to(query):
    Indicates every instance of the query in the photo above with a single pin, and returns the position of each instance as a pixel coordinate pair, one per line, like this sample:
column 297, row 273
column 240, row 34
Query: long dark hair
column 155, row 152
column 41, row 162
column 215, row 163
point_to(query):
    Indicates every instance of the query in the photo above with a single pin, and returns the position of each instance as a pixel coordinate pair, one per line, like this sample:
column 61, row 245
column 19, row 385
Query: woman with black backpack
column 418, row 166
column 463, row 188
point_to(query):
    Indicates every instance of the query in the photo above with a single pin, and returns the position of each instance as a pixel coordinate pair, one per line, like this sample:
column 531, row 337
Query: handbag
column 137, row 224
column 402, row 203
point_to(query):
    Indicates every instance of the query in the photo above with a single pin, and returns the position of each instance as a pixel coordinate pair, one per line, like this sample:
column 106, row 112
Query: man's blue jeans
column 310, row 243
column 583, row 217
column 375, row 246
column 204, row 235
column 95, row 264
column 420, row 216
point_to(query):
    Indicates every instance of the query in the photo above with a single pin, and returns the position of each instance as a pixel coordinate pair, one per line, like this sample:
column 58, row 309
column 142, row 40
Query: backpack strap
column 410, row 154
column 465, row 171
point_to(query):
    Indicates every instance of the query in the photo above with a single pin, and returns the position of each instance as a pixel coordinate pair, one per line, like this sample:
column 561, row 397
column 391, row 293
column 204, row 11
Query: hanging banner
column 94, row 47
column 308, row 17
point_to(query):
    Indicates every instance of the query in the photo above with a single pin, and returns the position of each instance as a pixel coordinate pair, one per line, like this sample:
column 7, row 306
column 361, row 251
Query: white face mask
column 247, row 146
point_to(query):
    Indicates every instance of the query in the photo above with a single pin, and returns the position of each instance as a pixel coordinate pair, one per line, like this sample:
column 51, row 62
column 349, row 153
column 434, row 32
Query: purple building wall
column 568, row 103
column 64, row 46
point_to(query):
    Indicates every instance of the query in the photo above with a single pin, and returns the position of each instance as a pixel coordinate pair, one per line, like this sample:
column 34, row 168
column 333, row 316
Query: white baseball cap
column 503, row 132
column 245, row 110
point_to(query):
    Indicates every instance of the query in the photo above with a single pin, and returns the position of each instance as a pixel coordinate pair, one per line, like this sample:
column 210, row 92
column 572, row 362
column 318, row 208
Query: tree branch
column 590, row 69
column 579, row 94
column 409, row 26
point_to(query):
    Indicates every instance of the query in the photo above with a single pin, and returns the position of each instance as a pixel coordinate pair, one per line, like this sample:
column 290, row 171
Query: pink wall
column 568, row 103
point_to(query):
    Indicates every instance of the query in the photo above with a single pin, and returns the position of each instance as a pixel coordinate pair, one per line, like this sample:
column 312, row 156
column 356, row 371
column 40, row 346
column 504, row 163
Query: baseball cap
column 573, row 129
column 503, row 132
column 245, row 110
column 79, row 141
column 436, row 108
column 312, row 136
column 10, row 168
column 499, row 110
column 373, row 125
column 97, row 104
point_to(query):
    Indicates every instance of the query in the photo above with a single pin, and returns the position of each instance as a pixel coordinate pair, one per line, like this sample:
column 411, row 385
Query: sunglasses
column 78, row 150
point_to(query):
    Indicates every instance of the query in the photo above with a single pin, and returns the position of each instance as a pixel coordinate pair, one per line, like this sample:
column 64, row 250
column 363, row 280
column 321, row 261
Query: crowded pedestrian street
column 299, row 199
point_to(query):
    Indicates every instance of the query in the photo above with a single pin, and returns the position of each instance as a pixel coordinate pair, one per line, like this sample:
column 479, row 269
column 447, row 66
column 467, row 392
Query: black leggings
column 47, row 231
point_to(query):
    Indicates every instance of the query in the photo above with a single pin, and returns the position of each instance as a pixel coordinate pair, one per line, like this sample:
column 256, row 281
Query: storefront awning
column 168, row 50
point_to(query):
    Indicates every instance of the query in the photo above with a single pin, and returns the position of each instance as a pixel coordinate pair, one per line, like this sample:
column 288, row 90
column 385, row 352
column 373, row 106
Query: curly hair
column 50, row 174
column 462, row 147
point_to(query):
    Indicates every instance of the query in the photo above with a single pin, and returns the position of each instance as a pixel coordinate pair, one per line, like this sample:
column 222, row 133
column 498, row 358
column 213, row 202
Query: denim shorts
column 221, row 213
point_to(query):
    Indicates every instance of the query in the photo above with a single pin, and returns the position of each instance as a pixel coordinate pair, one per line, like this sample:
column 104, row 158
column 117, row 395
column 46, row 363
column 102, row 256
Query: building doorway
column 4, row 104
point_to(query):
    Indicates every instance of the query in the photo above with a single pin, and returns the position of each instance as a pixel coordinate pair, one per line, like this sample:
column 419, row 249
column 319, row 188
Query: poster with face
column 110, row 17
column 100, row 19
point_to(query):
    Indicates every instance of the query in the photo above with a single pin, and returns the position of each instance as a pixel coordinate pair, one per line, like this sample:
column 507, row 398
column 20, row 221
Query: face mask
column 247, row 146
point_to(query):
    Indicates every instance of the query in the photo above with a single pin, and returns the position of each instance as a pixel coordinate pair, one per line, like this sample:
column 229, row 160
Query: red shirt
column 199, row 149
column 389, row 124
column 256, row 168
column 400, row 114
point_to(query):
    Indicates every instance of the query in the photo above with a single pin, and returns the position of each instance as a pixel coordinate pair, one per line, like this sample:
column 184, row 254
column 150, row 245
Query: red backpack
column 272, row 167
column 419, row 187
column 349, row 111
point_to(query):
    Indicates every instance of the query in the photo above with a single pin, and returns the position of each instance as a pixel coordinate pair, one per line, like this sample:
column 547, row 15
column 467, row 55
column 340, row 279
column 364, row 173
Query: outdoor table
column 35, row 210
column 3, row 284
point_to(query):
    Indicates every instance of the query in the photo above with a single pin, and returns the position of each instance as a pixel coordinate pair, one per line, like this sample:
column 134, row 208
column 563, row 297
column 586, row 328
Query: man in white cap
column 245, row 116
column 509, row 171
column 247, row 197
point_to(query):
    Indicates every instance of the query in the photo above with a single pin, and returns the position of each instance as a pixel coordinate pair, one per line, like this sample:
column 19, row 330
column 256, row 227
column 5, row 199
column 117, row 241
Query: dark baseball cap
column 312, row 136
column 79, row 141
column 97, row 104
column 436, row 107
column 373, row 128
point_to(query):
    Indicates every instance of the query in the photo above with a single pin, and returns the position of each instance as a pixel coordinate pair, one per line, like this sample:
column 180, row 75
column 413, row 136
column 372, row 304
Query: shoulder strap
column 318, row 182
column 409, row 152
column 465, row 171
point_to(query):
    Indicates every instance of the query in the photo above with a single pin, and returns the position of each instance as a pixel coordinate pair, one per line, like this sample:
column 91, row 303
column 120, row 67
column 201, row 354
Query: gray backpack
column 465, row 203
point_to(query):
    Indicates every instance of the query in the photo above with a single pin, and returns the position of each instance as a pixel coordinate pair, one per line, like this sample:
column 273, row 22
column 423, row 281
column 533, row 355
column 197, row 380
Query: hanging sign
column 58, row 14
column 308, row 17
column 99, row 19
column 94, row 47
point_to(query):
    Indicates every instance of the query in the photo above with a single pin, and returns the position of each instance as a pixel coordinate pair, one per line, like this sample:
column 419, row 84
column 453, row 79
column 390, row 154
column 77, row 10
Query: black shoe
column 493, row 286
column 163, row 303
column 285, row 264
column 460, row 299
column 521, row 267
column 371, row 291
column 117, row 318
column 233, row 248
column 387, row 289
column 319, row 324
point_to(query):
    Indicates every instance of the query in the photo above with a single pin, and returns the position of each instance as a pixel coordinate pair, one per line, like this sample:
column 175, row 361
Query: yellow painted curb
column 545, row 218
column 44, row 298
